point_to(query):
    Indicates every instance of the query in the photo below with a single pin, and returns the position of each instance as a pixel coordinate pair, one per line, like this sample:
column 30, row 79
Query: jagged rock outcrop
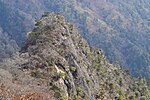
column 120, row 28
column 63, row 57
column 60, row 62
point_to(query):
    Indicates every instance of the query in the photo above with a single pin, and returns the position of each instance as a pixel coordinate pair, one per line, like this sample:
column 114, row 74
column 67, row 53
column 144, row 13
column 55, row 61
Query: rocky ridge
column 121, row 28
column 56, row 63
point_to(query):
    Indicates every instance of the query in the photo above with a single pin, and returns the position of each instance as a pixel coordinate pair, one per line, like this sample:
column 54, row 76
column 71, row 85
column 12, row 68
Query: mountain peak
column 76, row 71
column 61, row 63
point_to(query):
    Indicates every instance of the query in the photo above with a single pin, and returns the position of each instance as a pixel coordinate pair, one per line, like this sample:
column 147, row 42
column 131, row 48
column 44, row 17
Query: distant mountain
column 8, row 47
column 56, row 63
column 120, row 28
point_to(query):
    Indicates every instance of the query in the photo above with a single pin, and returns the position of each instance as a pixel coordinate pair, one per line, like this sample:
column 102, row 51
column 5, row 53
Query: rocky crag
column 56, row 63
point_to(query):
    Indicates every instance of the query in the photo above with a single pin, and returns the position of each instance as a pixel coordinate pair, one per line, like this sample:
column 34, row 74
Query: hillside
column 56, row 63
column 8, row 47
column 120, row 28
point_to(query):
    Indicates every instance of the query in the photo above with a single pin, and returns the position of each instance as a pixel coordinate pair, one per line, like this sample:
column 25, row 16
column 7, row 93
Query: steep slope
column 14, row 21
column 56, row 63
column 121, row 28
column 8, row 47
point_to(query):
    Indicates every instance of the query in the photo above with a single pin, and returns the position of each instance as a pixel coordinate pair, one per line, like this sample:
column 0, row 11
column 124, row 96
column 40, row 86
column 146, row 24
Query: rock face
column 56, row 63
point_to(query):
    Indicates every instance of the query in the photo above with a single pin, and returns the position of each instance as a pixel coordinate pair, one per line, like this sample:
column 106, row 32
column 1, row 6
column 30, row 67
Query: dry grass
column 6, row 94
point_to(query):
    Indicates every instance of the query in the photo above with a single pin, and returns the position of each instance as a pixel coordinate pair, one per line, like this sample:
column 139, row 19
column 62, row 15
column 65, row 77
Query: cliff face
column 56, row 63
